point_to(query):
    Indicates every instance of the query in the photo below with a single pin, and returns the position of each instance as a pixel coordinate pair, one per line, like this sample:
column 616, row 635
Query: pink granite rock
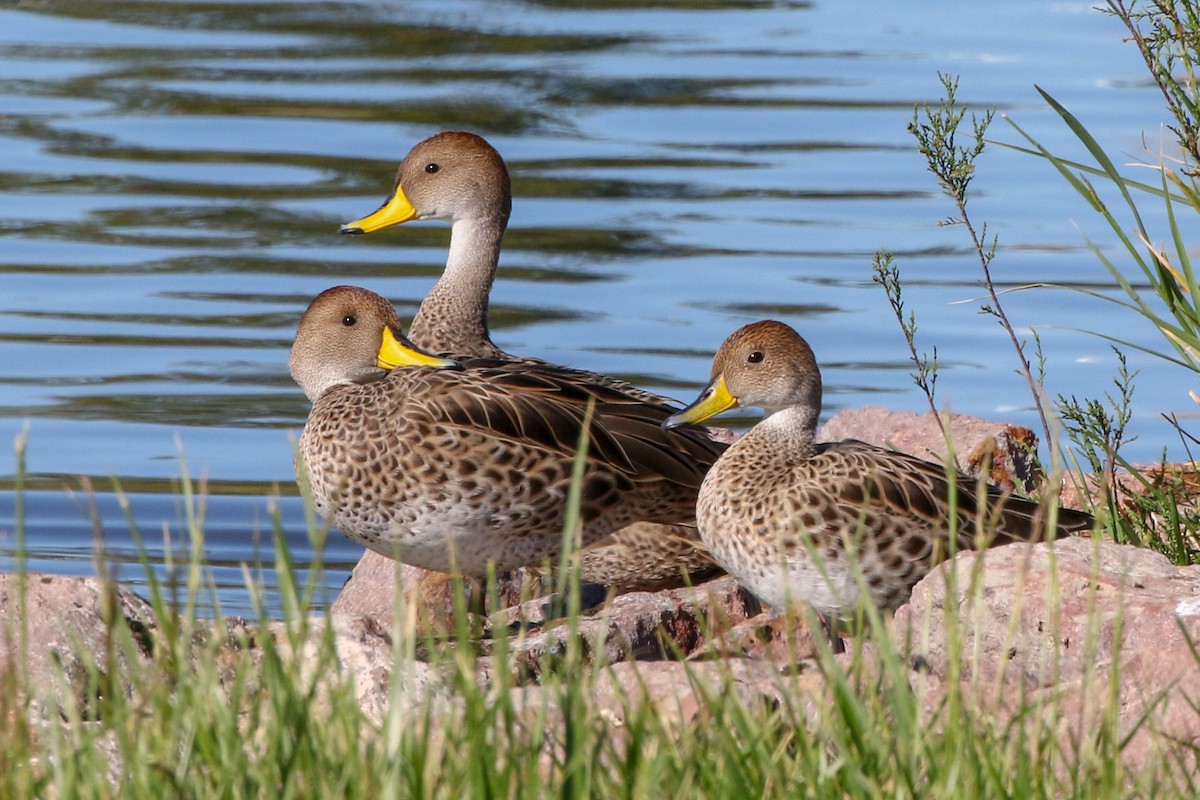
column 1051, row 627
column 65, row 625
column 1008, row 451
column 370, row 591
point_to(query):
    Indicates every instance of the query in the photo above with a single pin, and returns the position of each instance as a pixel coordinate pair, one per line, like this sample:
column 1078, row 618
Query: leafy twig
column 1170, row 46
column 954, row 166
column 887, row 275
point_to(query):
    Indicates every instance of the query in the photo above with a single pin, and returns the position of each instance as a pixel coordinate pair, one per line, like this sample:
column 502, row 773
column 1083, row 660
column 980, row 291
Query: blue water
column 172, row 177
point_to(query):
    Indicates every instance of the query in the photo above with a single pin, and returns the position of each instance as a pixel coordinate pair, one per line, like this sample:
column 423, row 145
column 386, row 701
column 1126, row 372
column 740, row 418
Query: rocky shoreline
column 1040, row 624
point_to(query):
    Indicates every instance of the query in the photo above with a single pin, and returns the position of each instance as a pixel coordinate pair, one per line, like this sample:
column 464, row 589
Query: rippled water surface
column 172, row 175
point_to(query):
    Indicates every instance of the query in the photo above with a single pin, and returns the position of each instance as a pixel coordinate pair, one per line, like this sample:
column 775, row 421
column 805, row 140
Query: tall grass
column 226, row 709
column 1153, row 273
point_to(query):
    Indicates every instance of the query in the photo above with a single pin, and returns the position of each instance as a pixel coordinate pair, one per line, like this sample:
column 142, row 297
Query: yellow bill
column 712, row 401
column 398, row 351
column 394, row 211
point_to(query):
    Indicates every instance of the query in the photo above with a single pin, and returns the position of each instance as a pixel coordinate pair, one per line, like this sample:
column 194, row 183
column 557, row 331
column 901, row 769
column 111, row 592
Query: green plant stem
column 887, row 274
column 954, row 167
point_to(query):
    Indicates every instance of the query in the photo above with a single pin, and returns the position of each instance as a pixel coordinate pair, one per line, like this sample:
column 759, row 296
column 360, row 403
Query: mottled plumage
column 458, row 177
column 456, row 468
column 783, row 513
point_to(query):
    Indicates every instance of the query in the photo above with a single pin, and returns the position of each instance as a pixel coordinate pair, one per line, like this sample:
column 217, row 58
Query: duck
column 834, row 524
column 459, row 178
column 465, row 466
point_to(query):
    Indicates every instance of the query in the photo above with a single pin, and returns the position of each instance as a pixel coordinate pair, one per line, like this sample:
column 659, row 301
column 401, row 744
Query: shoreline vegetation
column 1064, row 670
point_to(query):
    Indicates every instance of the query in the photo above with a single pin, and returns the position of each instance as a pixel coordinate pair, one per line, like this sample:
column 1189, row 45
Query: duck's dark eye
column 755, row 357
column 431, row 168
column 349, row 320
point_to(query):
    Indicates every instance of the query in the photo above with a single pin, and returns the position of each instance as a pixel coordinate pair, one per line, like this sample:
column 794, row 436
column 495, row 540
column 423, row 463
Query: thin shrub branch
column 886, row 273
column 953, row 165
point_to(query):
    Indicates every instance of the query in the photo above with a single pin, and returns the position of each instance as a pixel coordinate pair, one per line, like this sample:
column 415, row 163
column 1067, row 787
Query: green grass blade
column 1097, row 152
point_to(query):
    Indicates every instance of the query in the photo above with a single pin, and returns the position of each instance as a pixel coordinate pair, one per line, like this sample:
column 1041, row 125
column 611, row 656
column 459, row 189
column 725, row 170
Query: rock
column 677, row 691
column 67, row 624
column 1050, row 627
column 370, row 591
column 639, row 625
column 1009, row 452
column 67, row 635
column 366, row 655
column 1032, row 634
column 1135, row 494
column 678, row 696
column 371, row 588
column 780, row 638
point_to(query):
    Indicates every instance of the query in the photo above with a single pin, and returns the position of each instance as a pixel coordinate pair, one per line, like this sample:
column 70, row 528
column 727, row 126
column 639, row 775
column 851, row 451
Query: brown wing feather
column 580, row 376
column 547, row 407
column 910, row 485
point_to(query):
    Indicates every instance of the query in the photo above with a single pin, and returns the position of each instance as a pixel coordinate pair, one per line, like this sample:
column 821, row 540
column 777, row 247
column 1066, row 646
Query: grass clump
column 1155, row 276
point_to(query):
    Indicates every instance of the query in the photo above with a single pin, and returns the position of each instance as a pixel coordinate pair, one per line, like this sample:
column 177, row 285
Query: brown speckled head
column 457, row 177
column 339, row 339
column 456, row 174
column 453, row 175
column 763, row 365
column 768, row 365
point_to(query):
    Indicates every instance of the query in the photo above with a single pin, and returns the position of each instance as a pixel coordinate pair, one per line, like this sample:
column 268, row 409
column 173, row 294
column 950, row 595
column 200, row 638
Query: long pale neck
column 453, row 318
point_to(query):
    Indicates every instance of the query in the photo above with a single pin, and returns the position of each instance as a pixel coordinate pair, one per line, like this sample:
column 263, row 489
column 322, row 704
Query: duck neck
column 791, row 431
column 453, row 318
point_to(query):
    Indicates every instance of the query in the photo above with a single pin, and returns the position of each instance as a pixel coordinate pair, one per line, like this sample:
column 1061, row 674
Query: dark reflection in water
column 172, row 176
